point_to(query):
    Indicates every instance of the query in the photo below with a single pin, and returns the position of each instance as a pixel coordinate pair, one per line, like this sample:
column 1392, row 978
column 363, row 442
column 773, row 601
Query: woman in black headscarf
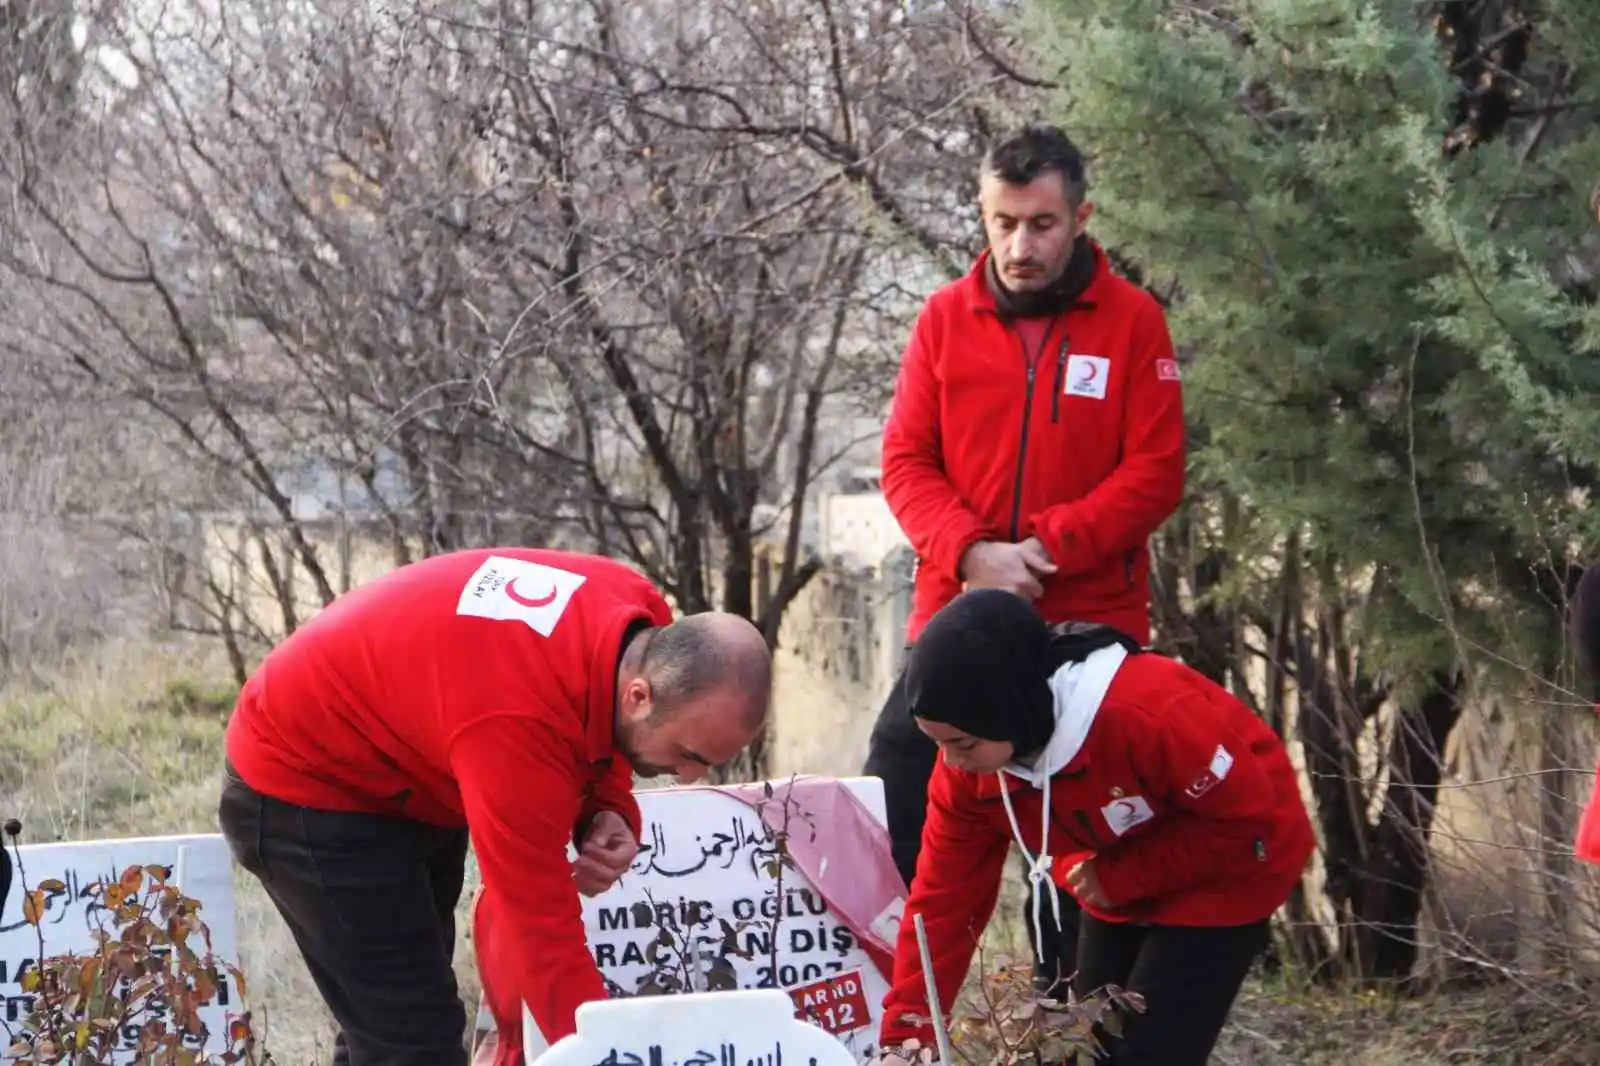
column 1163, row 804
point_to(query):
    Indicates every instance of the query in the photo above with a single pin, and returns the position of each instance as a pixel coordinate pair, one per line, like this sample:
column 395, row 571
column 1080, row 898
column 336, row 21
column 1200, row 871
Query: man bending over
column 509, row 694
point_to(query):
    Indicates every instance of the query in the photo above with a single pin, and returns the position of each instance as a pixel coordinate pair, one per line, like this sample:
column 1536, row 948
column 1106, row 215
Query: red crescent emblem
column 1092, row 372
column 516, row 597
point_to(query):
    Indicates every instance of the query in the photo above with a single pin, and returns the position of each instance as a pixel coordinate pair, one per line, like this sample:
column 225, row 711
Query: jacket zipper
column 1061, row 374
column 1022, row 446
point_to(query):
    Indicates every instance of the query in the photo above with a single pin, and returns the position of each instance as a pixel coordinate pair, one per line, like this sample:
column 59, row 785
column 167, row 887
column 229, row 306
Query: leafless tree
column 615, row 277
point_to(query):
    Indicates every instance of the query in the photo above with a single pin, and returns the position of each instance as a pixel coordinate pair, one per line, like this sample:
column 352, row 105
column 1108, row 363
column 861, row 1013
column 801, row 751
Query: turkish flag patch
column 1221, row 763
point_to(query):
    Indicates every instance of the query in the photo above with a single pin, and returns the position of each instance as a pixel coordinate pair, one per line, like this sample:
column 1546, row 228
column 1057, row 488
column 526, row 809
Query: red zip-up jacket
column 475, row 688
column 1082, row 445
column 1185, row 800
column 1586, row 844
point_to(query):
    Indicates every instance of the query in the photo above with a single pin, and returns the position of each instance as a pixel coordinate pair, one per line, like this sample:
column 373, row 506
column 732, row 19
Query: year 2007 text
column 790, row 974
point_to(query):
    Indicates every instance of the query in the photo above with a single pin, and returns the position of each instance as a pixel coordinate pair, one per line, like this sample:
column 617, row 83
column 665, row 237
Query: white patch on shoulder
column 515, row 590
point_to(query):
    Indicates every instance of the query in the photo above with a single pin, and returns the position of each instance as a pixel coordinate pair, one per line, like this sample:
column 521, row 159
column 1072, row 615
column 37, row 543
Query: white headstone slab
column 753, row 1027
column 706, row 859
column 202, row 866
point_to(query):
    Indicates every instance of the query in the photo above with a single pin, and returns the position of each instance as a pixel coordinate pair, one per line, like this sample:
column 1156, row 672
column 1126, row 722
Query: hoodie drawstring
column 1077, row 690
column 1038, row 865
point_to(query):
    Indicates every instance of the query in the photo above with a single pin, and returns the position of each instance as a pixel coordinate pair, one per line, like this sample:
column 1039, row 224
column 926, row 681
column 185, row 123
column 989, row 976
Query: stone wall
column 839, row 650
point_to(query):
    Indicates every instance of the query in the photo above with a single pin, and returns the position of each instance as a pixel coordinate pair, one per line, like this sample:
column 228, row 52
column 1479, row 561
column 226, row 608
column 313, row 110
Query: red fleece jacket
column 1186, row 801
column 1586, row 844
column 1079, row 442
column 477, row 689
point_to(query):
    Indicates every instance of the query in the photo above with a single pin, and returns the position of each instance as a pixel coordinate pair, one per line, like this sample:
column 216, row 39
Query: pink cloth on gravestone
column 842, row 850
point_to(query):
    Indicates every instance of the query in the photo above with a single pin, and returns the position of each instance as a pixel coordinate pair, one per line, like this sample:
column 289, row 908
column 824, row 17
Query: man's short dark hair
column 1034, row 150
column 685, row 662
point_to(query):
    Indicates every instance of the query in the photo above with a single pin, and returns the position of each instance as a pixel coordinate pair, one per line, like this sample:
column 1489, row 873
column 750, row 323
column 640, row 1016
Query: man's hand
column 1016, row 568
column 607, row 850
column 1085, row 884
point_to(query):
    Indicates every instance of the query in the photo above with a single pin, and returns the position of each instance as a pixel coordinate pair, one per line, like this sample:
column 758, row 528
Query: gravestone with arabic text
column 201, row 866
column 705, row 870
column 741, row 1028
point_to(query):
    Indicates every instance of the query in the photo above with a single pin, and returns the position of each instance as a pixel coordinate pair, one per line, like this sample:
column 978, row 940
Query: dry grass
column 127, row 742
column 1273, row 1024
column 1278, row 1022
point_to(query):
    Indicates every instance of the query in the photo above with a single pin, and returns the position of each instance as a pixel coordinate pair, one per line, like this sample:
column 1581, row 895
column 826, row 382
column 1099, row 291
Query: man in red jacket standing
column 1035, row 441
column 506, row 693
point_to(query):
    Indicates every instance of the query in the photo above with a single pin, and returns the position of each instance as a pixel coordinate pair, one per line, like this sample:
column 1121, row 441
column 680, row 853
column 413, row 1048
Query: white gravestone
column 705, row 869
column 201, row 866
column 742, row 1028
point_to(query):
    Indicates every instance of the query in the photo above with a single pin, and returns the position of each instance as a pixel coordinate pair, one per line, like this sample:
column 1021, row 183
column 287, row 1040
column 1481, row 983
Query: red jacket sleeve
column 957, row 882
column 521, row 789
column 927, row 506
column 612, row 791
column 1147, row 485
column 1222, row 797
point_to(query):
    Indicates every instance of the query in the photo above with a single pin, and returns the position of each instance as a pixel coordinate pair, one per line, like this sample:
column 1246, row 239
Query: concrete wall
column 244, row 568
column 858, row 526
column 839, row 650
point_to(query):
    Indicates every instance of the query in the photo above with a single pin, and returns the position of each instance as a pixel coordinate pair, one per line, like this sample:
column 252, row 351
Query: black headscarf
column 983, row 664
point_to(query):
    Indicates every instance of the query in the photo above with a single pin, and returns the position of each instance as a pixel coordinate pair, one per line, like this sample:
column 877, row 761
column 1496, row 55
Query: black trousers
column 1189, row 977
column 902, row 756
column 371, row 903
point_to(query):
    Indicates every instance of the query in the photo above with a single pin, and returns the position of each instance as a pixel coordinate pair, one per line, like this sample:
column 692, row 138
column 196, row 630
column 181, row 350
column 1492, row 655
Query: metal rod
column 940, row 1034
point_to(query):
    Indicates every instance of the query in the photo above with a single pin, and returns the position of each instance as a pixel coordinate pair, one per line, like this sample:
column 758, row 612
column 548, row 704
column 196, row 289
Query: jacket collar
column 989, row 786
column 980, row 298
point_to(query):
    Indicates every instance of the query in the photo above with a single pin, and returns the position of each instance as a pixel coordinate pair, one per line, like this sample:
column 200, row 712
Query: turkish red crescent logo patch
column 542, row 601
column 519, row 590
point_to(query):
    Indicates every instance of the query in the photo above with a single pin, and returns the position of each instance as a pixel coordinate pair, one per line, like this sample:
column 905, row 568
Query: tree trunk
column 1392, row 881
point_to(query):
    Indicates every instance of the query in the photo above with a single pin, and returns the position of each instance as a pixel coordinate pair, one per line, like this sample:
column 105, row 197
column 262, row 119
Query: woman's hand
column 1083, row 883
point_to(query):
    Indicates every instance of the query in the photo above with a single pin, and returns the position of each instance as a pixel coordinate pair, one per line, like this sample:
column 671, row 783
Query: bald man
column 509, row 694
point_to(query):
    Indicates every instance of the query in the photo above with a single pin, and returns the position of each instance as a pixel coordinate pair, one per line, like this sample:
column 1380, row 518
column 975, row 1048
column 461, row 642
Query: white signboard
column 745, row 1028
column 705, row 879
column 201, row 865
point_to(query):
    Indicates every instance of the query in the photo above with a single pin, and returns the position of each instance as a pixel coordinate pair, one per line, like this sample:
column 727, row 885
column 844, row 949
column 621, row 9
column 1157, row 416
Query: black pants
column 1189, row 977
column 371, row 903
column 902, row 756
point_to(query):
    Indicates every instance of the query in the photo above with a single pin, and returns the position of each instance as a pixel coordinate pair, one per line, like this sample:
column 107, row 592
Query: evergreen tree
column 1376, row 222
